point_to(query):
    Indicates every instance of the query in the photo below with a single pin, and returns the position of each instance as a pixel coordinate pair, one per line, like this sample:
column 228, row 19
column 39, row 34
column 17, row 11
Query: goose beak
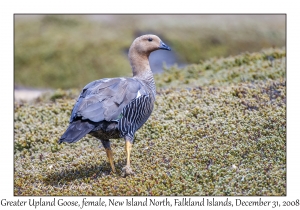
column 163, row 46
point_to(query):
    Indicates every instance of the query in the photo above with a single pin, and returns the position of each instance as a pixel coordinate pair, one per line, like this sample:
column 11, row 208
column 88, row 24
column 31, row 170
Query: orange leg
column 127, row 169
column 110, row 158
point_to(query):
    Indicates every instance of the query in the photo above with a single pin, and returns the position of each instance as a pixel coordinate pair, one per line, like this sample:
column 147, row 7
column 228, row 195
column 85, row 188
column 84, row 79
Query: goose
column 112, row 108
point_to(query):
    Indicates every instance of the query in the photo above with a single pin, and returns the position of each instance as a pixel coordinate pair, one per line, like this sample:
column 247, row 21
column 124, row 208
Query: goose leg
column 128, row 146
column 106, row 144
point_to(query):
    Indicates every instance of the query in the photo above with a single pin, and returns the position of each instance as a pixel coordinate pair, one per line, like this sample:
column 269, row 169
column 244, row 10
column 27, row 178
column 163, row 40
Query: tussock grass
column 218, row 128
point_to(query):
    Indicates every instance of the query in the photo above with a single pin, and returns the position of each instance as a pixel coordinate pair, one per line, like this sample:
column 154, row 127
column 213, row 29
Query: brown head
column 140, row 50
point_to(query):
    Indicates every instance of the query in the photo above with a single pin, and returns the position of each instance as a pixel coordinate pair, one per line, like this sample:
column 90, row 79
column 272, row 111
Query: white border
column 8, row 8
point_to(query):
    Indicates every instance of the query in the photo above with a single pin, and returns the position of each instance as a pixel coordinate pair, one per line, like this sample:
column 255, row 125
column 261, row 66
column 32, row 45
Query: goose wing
column 104, row 99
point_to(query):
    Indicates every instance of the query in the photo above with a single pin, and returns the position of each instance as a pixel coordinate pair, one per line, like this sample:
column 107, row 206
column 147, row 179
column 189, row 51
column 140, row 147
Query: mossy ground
column 218, row 128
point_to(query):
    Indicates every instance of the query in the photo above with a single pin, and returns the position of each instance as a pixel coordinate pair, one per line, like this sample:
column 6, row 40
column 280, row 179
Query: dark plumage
column 117, row 107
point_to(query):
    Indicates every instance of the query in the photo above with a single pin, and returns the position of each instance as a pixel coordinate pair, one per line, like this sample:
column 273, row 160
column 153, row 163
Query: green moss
column 223, row 135
column 246, row 67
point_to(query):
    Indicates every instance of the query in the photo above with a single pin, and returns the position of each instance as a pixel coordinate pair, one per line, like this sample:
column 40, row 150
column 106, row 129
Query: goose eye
column 150, row 39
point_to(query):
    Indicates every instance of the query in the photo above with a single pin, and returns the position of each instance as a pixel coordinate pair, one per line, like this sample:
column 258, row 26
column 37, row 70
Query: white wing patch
column 106, row 79
column 138, row 94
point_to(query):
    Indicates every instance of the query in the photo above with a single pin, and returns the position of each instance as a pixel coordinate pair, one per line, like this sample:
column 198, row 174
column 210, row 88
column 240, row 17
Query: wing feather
column 104, row 99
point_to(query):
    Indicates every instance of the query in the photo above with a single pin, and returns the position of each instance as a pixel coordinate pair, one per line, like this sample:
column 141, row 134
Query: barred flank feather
column 135, row 114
